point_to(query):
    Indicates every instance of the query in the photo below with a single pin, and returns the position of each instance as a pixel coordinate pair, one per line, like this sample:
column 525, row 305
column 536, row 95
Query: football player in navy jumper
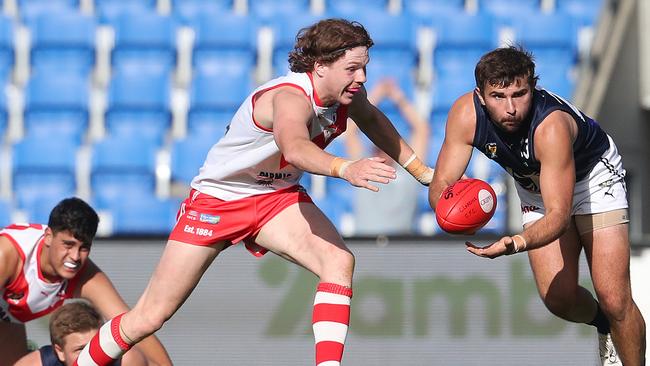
column 570, row 180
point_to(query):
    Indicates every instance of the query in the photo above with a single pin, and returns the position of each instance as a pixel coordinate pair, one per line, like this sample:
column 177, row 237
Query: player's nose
column 73, row 253
column 511, row 109
column 360, row 76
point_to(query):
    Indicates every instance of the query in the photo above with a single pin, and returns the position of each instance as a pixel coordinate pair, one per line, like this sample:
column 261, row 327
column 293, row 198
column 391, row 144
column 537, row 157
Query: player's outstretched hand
column 503, row 246
column 361, row 172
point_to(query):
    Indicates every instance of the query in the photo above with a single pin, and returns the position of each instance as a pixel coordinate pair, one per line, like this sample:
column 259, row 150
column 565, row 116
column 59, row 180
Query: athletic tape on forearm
column 338, row 166
column 418, row 169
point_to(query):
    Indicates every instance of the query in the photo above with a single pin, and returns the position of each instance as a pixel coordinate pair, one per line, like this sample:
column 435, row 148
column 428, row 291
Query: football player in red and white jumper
column 247, row 189
column 42, row 266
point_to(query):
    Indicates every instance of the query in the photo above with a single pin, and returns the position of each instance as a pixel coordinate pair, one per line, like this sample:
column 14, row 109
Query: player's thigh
column 555, row 266
column 179, row 270
column 305, row 235
column 608, row 254
column 13, row 342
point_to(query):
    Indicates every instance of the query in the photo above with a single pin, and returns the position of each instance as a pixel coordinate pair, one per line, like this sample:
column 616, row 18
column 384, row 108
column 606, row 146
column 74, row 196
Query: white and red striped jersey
column 30, row 295
column 246, row 161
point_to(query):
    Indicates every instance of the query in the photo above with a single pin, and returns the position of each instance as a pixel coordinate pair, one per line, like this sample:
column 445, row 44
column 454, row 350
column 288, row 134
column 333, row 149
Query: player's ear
column 59, row 352
column 479, row 95
column 319, row 68
column 47, row 236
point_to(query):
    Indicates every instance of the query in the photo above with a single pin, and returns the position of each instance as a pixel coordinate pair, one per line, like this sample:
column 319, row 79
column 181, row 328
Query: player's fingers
column 378, row 175
column 383, row 167
column 371, row 187
column 474, row 249
column 378, row 178
column 364, row 183
column 377, row 159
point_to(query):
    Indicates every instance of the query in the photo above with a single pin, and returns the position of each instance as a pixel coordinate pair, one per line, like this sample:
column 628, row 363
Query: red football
column 466, row 206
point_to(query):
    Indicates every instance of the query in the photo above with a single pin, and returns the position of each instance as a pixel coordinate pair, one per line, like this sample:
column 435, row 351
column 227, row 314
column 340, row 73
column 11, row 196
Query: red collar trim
column 316, row 98
column 39, row 250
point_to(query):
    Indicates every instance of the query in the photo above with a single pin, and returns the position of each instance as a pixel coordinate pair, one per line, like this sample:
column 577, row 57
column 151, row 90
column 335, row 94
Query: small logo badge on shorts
column 210, row 219
column 529, row 208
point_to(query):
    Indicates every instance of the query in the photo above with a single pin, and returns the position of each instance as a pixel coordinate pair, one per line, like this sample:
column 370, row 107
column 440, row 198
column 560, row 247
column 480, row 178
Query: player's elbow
column 292, row 156
column 294, row 152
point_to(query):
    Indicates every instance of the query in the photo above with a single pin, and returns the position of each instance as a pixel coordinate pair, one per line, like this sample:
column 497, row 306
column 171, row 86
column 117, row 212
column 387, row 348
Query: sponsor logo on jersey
column 491, row 148
column 267, row 178
column 210, row 219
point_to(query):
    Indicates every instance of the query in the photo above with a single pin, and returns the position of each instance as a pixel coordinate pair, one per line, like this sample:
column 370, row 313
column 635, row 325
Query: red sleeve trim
column 316, row 98
column 256, row 95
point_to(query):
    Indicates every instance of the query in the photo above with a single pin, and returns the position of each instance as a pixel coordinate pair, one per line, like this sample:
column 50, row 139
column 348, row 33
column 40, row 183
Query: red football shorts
column 206, row 220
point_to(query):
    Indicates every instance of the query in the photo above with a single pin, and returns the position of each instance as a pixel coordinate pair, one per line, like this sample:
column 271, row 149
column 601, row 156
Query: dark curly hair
column 326, row 41
column 77, row 217
column 500, row 67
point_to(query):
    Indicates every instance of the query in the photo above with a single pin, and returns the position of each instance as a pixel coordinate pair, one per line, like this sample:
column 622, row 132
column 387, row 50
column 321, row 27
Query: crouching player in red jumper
column 41, row 266
column 247, row 189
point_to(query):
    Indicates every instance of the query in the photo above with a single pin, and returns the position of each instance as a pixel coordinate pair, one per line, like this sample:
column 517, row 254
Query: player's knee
column 338, row 260
column 615, row 306
column 345, row 259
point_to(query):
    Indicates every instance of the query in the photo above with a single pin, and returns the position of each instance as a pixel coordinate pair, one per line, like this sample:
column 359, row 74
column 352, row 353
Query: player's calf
column 330, row 321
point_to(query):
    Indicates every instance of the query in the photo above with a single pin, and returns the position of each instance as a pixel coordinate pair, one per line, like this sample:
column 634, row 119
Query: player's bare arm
column 419, row 136
column 382, row 133
column 13, row 337
column 97, row 288
column 554, row 150
column 456, row 149
column 374, row 124
column 291, row 113
column 9, row 261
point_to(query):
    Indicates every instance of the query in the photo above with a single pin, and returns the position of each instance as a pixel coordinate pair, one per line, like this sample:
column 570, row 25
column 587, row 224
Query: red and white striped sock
column 330, row 322
column 105, row 347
